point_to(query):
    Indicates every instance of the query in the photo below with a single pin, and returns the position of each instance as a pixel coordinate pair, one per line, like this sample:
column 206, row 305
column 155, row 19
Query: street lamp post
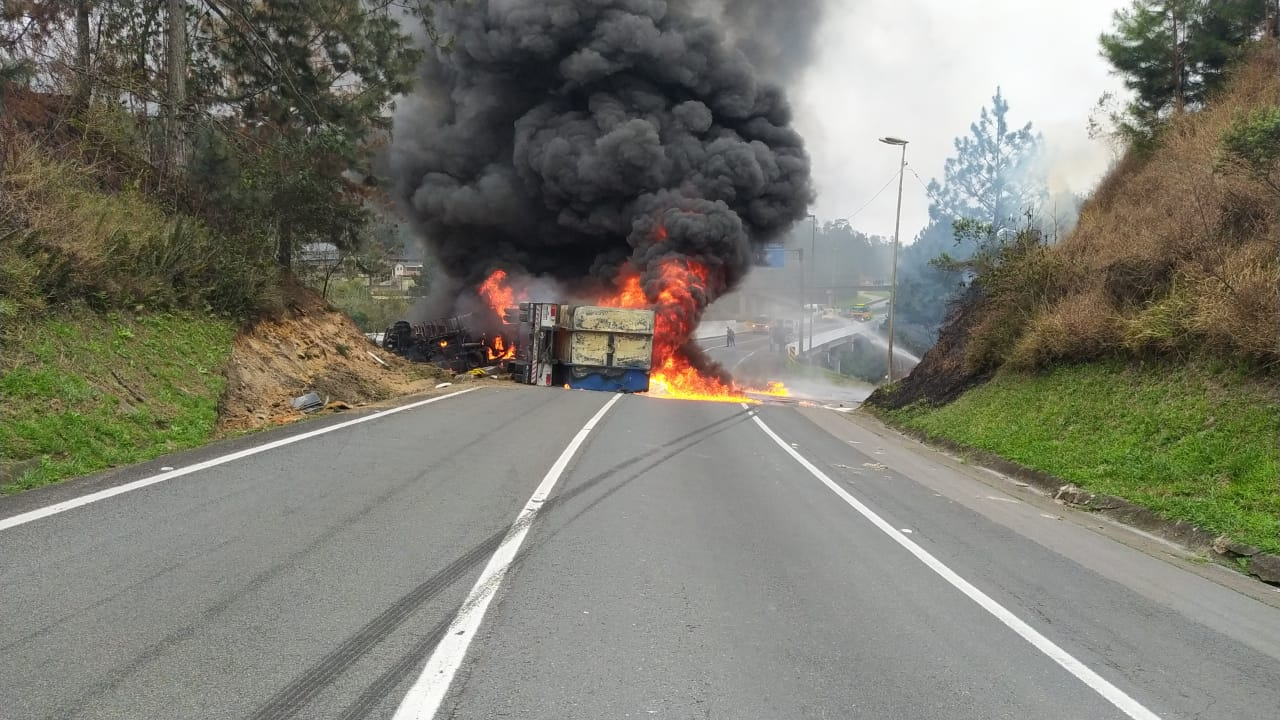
column 897, row 224
column 813, row 239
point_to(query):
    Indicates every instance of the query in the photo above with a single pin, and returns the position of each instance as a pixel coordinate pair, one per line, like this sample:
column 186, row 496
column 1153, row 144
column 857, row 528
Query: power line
column 927, row 191
column 873, row 197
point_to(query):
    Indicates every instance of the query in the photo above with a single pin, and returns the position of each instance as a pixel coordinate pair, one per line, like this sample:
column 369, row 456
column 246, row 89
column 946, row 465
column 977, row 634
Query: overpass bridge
column 826, row 344
column 781, row 301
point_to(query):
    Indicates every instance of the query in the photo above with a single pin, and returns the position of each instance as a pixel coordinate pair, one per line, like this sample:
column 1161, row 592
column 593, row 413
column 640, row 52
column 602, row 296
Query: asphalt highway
column 538, row 553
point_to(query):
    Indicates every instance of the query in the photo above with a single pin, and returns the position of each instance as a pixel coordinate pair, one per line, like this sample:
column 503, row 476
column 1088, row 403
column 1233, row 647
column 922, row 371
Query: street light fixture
column 897, row 224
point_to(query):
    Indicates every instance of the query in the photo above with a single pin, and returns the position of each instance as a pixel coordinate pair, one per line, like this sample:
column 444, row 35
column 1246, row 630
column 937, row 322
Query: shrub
column 65, row 240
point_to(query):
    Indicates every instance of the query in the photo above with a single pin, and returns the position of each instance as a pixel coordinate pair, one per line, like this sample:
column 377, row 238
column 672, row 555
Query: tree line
column 259, row 118
column 1173, row 56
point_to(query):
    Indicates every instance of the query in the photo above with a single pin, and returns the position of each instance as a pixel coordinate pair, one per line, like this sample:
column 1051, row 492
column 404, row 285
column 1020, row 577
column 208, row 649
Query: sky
column 922, row 70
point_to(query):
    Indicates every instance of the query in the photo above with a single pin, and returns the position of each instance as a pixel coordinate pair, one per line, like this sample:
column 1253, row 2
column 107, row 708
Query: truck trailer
column 583, row 347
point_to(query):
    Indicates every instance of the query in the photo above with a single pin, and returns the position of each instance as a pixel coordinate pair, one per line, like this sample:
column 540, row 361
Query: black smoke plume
column 777, row 36
column 559, row 138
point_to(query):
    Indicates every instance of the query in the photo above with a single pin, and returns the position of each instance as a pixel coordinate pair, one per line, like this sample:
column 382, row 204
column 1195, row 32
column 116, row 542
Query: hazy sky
column 921, row 70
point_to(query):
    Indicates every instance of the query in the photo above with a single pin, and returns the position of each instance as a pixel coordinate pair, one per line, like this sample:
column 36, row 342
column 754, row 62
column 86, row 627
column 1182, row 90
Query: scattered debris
column 308, row 403
column 278, row 359
column 443, row 385
column 875, row 466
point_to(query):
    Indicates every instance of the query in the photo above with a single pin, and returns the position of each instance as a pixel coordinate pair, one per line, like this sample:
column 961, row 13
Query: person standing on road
column 728, row 336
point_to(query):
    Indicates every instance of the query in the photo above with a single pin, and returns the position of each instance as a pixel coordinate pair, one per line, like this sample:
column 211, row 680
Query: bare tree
column 82, row 91
column 176, row 86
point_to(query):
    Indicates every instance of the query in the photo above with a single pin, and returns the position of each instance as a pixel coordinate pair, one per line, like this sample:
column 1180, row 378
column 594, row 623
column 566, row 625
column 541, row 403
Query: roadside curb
column 1264, row 567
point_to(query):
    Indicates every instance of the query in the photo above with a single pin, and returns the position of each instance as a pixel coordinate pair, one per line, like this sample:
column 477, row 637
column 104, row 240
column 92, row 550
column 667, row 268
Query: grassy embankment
column 1189, row 443
column 116, row 317
column 86, row 392
column 1139, row 357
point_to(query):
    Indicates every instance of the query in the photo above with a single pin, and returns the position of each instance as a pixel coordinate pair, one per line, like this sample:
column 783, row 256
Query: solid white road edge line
column 1113, row 694
column 44, row 512
column 424, row 698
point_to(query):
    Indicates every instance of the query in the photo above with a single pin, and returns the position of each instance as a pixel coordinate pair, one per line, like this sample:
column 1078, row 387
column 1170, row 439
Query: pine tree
column 315, row 78
column 994, row 179
column 994, row 176
column 1173, row 53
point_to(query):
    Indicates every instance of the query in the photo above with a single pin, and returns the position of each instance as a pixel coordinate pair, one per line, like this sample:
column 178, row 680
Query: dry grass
column 1175, row 253
column 65, row 239
column 1081, row 326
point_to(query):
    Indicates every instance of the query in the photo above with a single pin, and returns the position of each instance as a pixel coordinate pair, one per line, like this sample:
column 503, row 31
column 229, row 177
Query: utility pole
column 813, row 239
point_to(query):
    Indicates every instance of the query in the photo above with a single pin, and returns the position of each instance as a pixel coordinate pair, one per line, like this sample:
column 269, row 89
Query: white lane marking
column 56, row 508
column 744, row 359
column 1099, row 684
column 424, row 698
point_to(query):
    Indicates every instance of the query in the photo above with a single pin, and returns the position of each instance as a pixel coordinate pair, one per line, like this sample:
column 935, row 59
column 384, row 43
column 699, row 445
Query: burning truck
column 450, row 343
column 581, row 347
column 616, row 153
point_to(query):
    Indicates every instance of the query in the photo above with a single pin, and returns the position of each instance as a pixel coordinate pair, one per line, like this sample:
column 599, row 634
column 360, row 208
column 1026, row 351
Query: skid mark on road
column 292, row 699
column 57, row 508
column 224, row 603
column 428, row 692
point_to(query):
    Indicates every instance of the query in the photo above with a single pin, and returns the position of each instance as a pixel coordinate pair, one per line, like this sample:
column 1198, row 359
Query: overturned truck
column 583, row 347
column 449, row 342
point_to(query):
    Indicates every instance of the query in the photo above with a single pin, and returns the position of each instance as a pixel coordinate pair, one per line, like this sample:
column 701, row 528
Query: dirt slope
column 311, row 348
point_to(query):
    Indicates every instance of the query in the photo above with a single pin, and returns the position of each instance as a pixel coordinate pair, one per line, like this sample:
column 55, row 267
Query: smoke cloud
column 777, row 36
column 573, row 140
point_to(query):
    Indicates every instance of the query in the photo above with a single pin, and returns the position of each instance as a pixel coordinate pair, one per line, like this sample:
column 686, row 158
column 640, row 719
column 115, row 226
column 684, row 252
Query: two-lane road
column 688, row 560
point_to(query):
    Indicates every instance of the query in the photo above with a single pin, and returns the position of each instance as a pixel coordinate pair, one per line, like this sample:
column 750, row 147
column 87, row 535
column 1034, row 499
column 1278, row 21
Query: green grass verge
column 1189, row 443
column 67, row 394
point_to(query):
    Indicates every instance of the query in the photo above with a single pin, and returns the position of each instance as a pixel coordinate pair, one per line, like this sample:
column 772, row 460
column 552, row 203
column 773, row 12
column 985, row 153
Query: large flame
column 497, row 292
column 678, row 297
column 500, row 350
column 676, row 303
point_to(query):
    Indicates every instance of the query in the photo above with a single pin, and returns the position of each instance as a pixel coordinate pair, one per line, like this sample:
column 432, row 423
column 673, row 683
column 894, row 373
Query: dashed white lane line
column 1096, row 682
column 744, row 359
column 170, row 473
column 428, row 692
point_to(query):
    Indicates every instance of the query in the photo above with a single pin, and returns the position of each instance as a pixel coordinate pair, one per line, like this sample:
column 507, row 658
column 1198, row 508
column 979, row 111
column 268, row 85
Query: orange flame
column 677, row 307
column 500, row 350
column 497, row 292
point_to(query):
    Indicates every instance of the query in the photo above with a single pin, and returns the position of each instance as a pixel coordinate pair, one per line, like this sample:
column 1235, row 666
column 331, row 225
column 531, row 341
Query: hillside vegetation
column 1174, row 255
column 1138, row 356
column 130, row 330
column 161, row 170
